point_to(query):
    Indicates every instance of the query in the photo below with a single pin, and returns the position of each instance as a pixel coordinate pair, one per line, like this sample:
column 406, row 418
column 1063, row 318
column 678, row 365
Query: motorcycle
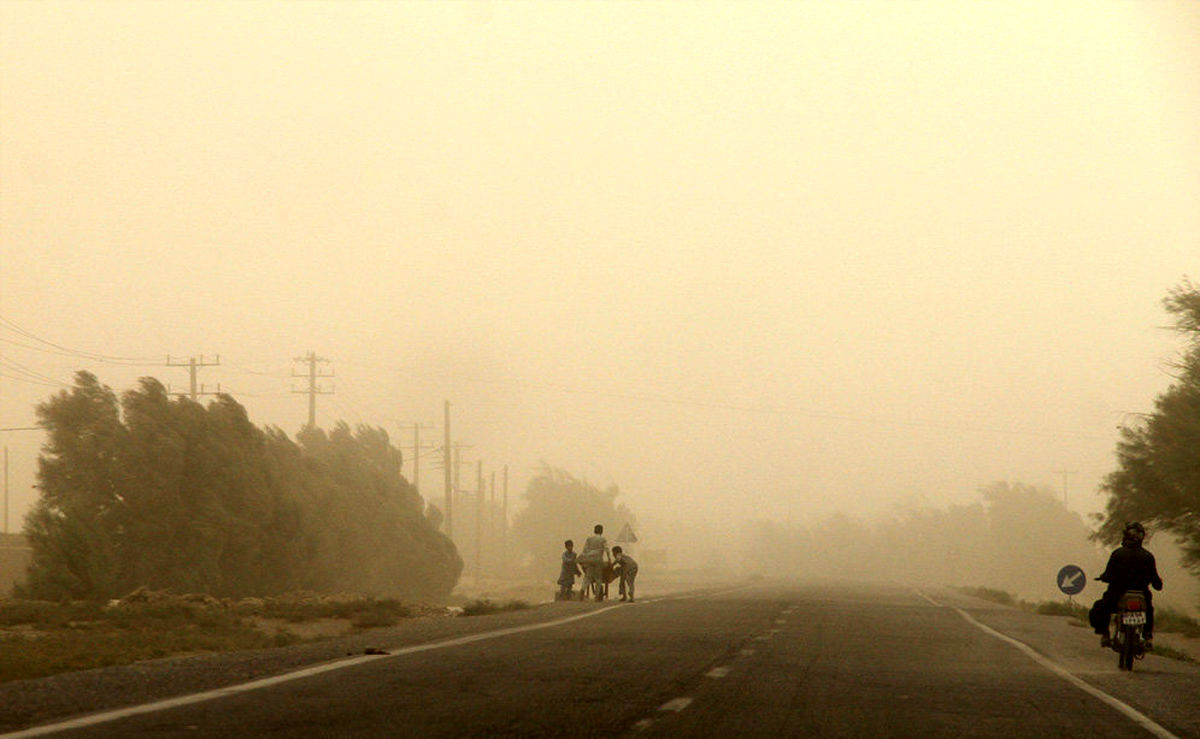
column 1126, row 629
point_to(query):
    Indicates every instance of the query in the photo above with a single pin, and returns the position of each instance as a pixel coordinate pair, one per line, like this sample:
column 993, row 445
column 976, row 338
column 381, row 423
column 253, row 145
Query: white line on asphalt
column 676, row 704
column 926, row 597
column 718, row 672
column 781, row 621
column 186, row 700
column 1137, row 716
column 746, row 652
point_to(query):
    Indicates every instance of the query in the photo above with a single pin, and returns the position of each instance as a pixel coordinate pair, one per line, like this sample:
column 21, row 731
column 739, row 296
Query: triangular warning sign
column 626, row 535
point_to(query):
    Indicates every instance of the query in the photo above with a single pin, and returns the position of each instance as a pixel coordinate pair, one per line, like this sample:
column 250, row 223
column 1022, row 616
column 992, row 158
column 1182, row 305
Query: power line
column 31, row 376
column 73, row 352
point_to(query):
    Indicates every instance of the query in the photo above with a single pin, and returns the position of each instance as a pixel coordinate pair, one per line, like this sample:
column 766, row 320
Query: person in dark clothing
column 1129, row 568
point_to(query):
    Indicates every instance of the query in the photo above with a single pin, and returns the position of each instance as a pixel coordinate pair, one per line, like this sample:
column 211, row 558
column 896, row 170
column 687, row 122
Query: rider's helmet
column 1133, row 534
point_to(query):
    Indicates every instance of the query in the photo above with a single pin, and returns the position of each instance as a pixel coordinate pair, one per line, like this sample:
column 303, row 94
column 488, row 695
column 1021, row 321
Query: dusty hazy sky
column 734, row 257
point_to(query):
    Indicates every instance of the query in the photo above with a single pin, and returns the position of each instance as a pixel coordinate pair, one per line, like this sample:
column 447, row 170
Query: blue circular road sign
column 1071, row 580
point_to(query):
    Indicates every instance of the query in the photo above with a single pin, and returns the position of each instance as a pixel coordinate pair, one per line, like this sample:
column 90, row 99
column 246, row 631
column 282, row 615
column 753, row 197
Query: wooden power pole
column 448, row 472
column 313, row 389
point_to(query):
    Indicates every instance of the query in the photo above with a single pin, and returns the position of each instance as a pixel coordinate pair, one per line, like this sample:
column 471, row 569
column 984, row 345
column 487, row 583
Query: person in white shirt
column 592, row 559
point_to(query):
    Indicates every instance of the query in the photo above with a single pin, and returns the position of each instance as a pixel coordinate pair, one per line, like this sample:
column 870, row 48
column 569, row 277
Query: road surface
column 819, row 660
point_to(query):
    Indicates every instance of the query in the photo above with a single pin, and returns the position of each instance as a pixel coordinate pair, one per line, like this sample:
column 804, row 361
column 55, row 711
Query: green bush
column 46, row 614
column 1169, row 619
column 1061, row 608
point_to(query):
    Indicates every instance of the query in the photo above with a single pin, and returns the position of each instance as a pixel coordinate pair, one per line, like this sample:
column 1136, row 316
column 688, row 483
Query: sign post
column 1071, row 581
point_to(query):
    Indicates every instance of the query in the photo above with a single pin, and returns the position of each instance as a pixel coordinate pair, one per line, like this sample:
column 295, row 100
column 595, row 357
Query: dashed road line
column 676, row 704
column 718, row 672
column 672, row 706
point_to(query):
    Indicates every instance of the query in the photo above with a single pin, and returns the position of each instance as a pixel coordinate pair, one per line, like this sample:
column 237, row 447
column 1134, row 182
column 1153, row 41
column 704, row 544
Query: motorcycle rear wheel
column 1128, row 648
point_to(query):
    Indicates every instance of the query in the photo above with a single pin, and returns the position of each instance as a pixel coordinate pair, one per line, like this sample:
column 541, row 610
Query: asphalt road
column 819, row 660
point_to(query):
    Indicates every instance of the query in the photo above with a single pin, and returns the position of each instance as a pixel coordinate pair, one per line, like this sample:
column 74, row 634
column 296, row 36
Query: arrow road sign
column 1071, row 580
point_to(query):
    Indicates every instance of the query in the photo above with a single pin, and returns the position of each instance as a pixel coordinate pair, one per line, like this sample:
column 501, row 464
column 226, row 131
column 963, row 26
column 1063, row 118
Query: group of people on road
column 595, row 563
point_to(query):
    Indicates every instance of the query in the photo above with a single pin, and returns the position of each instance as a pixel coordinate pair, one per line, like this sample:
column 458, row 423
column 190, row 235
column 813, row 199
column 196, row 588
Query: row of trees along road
column 1014, row 539
column 1157, row 480
column 174, row 495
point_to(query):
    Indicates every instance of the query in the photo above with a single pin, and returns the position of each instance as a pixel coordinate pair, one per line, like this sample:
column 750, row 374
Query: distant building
column 15, row 556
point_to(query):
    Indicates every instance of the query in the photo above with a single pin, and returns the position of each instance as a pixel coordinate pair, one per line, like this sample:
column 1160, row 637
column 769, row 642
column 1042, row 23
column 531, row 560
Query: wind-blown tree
column 1157, row 480
column 170, row 494
column 559, row 506
column 382, row 538
column 71, row 525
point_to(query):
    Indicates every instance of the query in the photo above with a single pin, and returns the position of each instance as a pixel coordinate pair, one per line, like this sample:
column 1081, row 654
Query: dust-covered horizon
column 744, row 261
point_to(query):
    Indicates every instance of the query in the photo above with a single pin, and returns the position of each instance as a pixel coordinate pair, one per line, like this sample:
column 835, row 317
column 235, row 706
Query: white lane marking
column 1137, row 716
column 926, row 597
column 644, row 724
column 746, row 652
column 676, row 704
column 781, row 621
column 186, row 700
column 718, row 672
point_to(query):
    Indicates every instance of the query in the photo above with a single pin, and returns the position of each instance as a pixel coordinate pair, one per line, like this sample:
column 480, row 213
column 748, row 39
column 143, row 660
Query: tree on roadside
column 71, row 526
column 560, row 506
column 1157, row 480
column 1015, row 538
column 170, row 494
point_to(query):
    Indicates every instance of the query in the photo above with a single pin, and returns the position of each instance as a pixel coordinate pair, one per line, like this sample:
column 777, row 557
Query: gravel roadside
column 25, row 703
column 1165, row 689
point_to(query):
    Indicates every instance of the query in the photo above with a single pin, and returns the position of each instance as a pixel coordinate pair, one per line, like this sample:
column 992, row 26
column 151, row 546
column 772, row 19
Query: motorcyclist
column 1130, row 567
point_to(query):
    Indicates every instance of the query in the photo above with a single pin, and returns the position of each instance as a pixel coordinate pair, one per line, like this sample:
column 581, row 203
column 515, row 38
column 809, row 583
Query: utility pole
column 478, row 519
column 313, row 389
column 1064, row 473
column 193, row 364
column 458, row 447
column 446, row 467
column 416, row 427
column 504, row 525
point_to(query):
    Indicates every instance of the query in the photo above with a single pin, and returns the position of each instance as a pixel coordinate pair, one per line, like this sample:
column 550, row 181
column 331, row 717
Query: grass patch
column 368, row 611
column 130, row 638
column 992, row 594
column 1164, row 651
column 483, row 606
column 1061, row 608
column 40, row 638
column 46, row 614
column 1169, row 619
column 378, row 616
